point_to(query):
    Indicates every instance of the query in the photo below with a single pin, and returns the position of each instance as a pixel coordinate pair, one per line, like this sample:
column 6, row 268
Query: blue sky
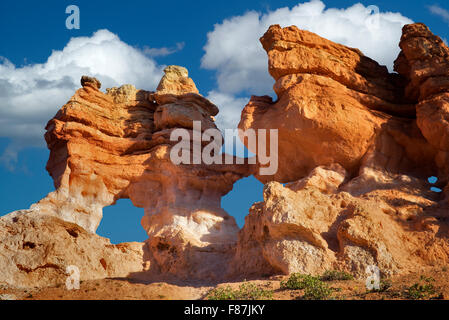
column 227, row 66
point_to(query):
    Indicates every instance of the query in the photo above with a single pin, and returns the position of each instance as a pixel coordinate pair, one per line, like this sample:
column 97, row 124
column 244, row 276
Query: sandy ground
column 126, row 289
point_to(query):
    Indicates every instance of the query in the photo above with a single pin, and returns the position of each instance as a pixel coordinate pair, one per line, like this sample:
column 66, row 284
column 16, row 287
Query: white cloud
column 228, row 117
column 234, row 52
column 233, row 49
column 9, row 156
column 31, row 95
column 164, row 51
column 437, row 10
column 230, row 109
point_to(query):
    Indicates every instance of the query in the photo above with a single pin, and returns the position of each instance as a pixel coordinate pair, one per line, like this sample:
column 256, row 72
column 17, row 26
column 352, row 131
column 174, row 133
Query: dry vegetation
column 428, row 284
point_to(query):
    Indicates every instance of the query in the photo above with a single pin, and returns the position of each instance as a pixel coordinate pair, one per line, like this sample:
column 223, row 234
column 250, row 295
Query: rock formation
column 105, row 147
column 36, row 250
column 356, row 146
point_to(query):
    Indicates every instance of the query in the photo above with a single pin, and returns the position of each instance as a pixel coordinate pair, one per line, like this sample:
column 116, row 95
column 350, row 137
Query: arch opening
column 245, row 192
column 121, row 223
column 432, row 180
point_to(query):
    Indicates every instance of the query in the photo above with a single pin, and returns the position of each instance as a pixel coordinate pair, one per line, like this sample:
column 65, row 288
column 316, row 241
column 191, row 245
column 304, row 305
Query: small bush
column 246, row 291
column 317, row 291
column 222, row 294
column 419, row 290
column 314, row 288
column 385, row 284
column 332, row 275
column 296, row 281
column 426, row 279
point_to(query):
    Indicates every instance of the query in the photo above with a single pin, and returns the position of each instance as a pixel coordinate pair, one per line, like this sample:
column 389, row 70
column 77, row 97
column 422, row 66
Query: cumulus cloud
column 234, row 52
column 228, row 118
column 230, row 110
column 441, row 12
column 32, row 94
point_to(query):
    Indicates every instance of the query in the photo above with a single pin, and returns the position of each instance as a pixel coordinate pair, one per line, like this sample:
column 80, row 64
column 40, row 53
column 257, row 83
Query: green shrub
column 419, row 290
column 332, row 275
column 314, row 288
column 317, row 291
column 246, row 291
column 426, row 279
column 225, row 293
column 385, row 284
column 296, row 281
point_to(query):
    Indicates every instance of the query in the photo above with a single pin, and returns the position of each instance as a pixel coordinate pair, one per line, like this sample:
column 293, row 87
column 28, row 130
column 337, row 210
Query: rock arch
column 114, row 145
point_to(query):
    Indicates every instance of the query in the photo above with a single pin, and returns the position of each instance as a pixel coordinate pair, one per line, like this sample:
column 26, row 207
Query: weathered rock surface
column 356, row 146
column 424, row 62
column 36, row 250
column 176, row 81
column 104, row 147
column 90, row 81
column 320, row 223
column 334, row 106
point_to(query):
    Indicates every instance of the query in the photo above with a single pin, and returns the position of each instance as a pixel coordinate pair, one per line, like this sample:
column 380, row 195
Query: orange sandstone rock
column 105, row 147
column 335, row 105
column 356, row 146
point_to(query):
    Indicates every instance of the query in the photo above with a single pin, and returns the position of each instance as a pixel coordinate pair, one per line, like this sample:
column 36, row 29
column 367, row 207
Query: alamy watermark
column 191, row 150
column 372, row 281
column 73, row 280
column 73, row 20
column 373, row 20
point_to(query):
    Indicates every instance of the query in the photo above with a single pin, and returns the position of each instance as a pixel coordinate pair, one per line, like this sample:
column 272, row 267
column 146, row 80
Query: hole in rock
column 163, row 246
column 103, row 263
column 246, row 191
column 433, row 180
column 72, row 232
column 29, row 245
column 121, row 223
column 266, row 231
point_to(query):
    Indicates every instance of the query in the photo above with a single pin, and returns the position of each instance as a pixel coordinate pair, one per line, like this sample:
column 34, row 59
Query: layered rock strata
column 356, row 146
column 115, row 145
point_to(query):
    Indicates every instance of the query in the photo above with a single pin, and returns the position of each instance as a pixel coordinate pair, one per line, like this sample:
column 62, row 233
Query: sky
column 41, row 62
